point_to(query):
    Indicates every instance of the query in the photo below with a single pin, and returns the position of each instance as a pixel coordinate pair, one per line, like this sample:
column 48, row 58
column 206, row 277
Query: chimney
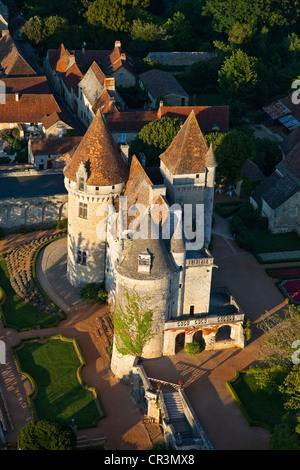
column 161, row 103
column 125, row 152
column 123, row 56
column 17, row 96
column 5, row 32
column 117, row 43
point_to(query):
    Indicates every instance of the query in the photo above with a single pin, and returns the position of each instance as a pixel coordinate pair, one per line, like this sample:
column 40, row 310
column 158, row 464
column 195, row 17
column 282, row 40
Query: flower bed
column 292, row 288
column 285, row 273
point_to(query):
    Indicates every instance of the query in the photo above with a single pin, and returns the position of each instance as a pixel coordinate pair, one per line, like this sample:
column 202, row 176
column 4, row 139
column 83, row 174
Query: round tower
column 94, row 177
column 145, row 269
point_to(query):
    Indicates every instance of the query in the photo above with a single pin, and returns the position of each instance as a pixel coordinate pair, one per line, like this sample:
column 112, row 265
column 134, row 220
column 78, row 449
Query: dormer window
column 81, row 184
column 144, row 262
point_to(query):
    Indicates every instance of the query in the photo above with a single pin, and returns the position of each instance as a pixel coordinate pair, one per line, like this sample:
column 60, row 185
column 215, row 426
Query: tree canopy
column 46, row 435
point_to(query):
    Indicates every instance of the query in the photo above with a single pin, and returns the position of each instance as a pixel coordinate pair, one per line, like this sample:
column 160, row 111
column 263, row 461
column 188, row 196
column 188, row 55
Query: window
column 83, row 210
column 81, row 184
column 81, row 257
column 192, row 308
column 197, row 176
column 144, row 261
column 121, row 77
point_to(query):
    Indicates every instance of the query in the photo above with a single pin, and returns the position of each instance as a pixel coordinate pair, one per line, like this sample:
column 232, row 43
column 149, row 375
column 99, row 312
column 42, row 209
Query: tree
column 154, row 138
column 281, row 331
column 238, row 77
column 145, row 31
column 291, row 389
column 180, row 30
column 33, row 29
column 46, row 435
column 132, row 325
column 113, row 14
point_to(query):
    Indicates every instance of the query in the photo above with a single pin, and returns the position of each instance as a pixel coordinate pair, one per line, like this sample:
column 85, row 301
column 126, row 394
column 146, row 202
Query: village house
column 279, row 194
column 14, row 60
column 66, row 70
column 162, row 86
column 42, row 151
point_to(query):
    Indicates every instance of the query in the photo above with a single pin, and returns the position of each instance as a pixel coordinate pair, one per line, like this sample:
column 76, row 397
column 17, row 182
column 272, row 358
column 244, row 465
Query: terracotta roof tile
column 13, row 59
column 208, row 117
column 27, row 85
column 187, row 153
column 100, row 155
column 29, row 108
column 54, row 145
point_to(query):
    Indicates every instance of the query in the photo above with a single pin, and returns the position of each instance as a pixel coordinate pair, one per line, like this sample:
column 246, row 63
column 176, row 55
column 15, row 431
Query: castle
column 113, row 201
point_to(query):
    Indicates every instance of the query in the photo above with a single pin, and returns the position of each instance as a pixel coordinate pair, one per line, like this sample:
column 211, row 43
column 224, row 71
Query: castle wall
column 197, row 289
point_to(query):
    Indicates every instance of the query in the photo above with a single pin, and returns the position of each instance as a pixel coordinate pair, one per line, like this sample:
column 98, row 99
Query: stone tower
column 94, row 177
column 188, row 168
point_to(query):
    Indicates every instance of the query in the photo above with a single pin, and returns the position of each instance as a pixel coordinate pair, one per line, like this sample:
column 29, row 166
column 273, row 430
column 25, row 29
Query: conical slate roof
column 187, row 152
column 100, row 156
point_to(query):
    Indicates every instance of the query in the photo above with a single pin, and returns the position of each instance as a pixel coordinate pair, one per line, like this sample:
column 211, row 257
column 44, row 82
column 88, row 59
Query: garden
column 288, row 282
column 58, row 393
column 259, row 407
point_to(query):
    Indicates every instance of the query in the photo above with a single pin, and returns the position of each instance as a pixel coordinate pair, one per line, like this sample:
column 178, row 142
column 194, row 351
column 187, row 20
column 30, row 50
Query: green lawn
column 261, row 407
column 268, row 242
column 53, row 366
column 17, row 313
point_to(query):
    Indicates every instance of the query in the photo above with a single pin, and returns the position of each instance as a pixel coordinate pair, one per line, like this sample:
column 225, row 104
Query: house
column 26, row 111
column 96, row 91
column 42, row 151
column 31, row 107
column 163, row 86
column 67, row 68
column 279, row 195
column 284, row 112
column 14, row 60
column 125, row 126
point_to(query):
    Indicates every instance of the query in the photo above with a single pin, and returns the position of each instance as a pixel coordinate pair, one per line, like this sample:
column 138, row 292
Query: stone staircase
column 177, row 417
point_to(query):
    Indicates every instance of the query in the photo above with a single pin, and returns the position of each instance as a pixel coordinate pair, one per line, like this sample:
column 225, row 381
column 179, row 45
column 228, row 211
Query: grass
column 17, row 313
column 262, row 408
column 60, row 396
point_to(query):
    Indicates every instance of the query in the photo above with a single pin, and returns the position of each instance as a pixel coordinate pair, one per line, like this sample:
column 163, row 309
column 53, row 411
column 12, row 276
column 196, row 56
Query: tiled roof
column 129, row 121
column 49, row 121
column 35, row 85
column 292, row 161
column 29, row 108
column 14, row 60
column 208, row 117
column 93, row 83
column 118, row 58
column 54, row 145
column 100, row 155
column 187, row 153
column 161, row 83
column 276, row 189
column 251, row 171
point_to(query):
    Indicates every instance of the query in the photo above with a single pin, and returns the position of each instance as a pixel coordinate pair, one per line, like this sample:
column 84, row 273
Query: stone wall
column 180, row 58
column 32, row 212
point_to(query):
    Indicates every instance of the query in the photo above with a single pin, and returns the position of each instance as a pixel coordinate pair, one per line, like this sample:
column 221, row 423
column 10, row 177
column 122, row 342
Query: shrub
column 94, row 292
column 4, row 160
column 247, row 330
column 192, row 348
column 61, row 224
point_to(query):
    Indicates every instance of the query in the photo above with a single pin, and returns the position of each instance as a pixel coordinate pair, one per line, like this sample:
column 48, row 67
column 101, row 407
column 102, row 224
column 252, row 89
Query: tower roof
column 211, row 161
column 187, row 152
column 100, row 156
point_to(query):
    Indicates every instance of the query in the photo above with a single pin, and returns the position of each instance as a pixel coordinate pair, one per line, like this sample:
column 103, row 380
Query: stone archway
column 198, row 337
column 179, row 342
column 223, row 333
